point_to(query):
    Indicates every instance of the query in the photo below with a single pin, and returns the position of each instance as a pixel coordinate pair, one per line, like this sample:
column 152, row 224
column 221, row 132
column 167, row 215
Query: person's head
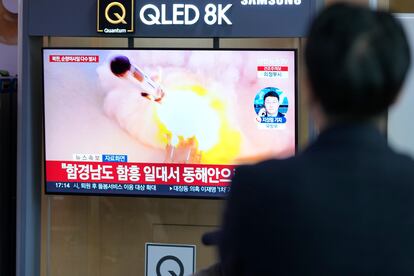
column 271, row 103
column 356, row 61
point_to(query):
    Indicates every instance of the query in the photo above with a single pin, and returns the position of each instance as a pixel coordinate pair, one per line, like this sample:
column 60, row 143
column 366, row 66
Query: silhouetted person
column 345, row 206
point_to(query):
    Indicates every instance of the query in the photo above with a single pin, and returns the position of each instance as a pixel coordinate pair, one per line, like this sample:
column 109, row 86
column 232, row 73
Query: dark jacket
column 345, row 206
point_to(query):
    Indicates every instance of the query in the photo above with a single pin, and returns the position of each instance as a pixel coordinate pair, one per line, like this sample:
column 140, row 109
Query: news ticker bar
column 135, row 189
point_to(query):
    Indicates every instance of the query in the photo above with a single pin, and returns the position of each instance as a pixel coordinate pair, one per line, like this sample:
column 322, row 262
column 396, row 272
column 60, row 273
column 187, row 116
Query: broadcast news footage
column 163, row 122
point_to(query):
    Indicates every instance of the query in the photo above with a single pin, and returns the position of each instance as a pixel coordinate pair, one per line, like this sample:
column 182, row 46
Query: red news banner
column 74, row 58
column 273, row 68
column 139, row 173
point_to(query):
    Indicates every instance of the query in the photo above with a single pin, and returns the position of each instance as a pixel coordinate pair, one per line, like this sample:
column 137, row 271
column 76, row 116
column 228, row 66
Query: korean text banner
column 164, row 122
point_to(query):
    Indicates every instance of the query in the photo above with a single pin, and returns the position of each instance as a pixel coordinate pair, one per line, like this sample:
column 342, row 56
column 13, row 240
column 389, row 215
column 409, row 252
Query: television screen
column 164, row 122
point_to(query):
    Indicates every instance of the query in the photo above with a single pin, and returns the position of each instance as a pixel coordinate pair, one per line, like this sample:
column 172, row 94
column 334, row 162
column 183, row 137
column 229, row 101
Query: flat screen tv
column 164, row 122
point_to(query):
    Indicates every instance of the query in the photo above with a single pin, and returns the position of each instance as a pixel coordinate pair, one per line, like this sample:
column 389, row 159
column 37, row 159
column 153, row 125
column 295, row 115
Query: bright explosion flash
column 190, row 122
column 187, row 115
column 195, row 128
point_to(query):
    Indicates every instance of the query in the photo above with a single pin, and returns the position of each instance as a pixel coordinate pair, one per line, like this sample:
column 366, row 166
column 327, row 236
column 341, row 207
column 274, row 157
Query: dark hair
column 357, row 60
column 271, row 94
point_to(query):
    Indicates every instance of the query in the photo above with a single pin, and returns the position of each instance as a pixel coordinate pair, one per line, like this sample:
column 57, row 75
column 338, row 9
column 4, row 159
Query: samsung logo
column 270, row 2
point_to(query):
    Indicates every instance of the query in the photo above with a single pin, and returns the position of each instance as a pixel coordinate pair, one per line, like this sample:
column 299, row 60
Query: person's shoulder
column 266, row 169
column 273, row 163
column 262, row 165
column 403, row 162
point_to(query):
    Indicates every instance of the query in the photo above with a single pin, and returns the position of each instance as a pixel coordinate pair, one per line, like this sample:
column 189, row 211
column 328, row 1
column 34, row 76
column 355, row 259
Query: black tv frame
column 296, row 81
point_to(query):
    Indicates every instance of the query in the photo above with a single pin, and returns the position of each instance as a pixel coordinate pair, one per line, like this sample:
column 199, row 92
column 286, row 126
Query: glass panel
column 85, row 42
column 260, row 43
column 401, row 6
column 173, row 42
column 106, row 235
